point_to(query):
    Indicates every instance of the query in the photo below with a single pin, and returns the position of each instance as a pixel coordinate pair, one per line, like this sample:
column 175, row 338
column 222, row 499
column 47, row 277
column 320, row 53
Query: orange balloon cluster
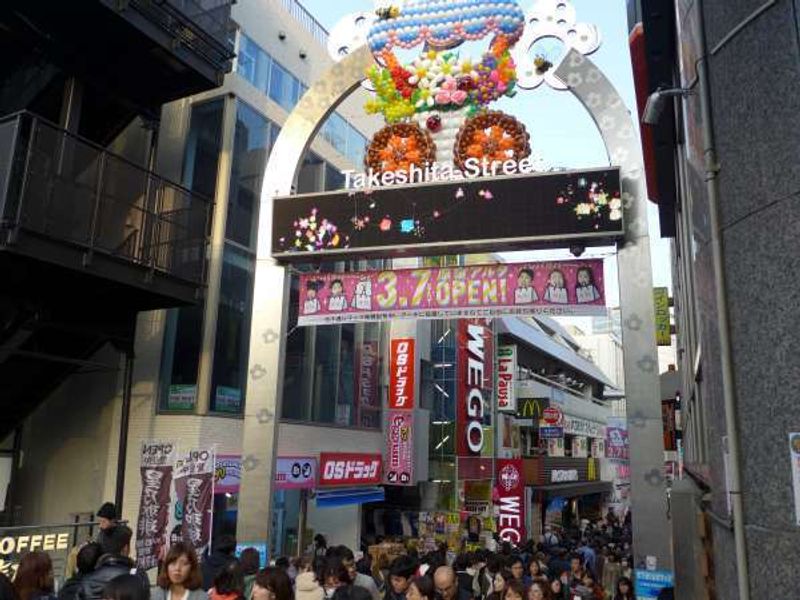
column 493, row 135
column 396, row 147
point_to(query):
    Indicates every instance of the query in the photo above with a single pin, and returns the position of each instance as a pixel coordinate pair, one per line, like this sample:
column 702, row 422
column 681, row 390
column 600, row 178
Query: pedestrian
column 535, row 573
column 224, row 548
column 7, row 591
column 229, row 583
column 34, row 578
column 517, row 568
column 250, row 559
column 380, row 572
column 576, row 570
column 499, row 584
column 107, row 519
column 514, row 590
column 559, row 591
column 401, row 571
column 612, row 571
column 114, row 561
column 307, row 586
column 549, row 539
column 126, row 587
column 272, row 583
column 589, row 587
column 421, row 588
column 624, row 590
column 539, row 591
column 347, row 557
column 86, row 559
column 446, row 583
column 320, row 545
column 180, row 577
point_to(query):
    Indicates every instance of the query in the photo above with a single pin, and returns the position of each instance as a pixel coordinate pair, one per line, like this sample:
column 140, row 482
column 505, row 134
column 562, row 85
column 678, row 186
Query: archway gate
column 577, row 73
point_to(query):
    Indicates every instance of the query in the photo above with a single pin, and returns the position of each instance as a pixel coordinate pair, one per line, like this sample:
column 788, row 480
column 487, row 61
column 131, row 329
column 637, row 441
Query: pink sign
column 574, row 288
column 400, row 448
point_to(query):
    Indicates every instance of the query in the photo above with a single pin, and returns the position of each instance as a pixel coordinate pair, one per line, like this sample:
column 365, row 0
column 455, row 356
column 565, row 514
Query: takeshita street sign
column 461, row 217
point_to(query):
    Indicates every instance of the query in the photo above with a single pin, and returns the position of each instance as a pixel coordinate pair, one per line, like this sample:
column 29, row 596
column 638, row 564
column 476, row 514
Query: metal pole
column 301, row 527
column 122, row 454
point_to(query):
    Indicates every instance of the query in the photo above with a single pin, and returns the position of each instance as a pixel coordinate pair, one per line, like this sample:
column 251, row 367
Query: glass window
column 251, row 146
column 233, row 332
column 182, row 339
column 356, row 146
column 246, row 59
column 283, row 87
column 334, row 180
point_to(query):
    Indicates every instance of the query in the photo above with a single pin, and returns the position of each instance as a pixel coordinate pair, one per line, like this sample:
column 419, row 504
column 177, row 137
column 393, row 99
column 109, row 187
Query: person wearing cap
column 106, row 520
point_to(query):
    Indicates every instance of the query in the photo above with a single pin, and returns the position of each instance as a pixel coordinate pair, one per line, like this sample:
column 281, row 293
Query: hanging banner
column 474, row 362
column 295, row 473
column 401, row 374
column 400, row 448
column 565, row 288
column 348, row 468
column 157, row 461
column 194, row 491
column 663, row 332
column 367, row 383
column 507, row 378
column 617, row 438
column 227, row 473
column 510, row 487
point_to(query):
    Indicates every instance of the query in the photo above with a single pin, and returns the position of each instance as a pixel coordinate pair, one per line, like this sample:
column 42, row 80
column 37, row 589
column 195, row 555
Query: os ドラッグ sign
column 458, row 217
column 345, row 468
column 565, row 288
column 401, row 374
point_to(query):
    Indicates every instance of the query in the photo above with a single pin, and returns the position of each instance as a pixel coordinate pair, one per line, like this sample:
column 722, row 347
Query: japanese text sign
column 401, row 375
column 339, row 468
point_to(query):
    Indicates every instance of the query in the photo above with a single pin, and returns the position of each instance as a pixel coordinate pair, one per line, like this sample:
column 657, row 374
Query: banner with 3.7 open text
column 568, row 288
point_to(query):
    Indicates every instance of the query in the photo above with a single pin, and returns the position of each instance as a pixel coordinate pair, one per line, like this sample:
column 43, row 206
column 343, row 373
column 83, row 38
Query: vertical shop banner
column 510, row 487
column 617, row 438
column 565, row 288
column 670, row 428
column 194, row 490
column 507, row 378
column 663, row 331
column 400, row 448
column 367, row 399
column 227, row 473
column 401, row 374
column 157, row 462
column 475, row 359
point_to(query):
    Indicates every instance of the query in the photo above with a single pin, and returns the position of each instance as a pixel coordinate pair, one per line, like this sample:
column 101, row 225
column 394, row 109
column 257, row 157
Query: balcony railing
column 61, row 187
column 307, row 20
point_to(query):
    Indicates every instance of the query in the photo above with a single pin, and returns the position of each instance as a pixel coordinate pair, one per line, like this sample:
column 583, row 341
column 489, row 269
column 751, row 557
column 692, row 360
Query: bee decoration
column 388, row 12
column 542, row 65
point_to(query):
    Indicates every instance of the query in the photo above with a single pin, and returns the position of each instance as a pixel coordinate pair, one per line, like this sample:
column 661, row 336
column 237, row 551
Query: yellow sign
column 663, row 332
column 531, row 408
column 591, row 473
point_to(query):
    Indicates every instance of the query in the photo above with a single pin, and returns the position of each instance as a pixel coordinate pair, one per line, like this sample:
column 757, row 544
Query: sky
column 560, row 128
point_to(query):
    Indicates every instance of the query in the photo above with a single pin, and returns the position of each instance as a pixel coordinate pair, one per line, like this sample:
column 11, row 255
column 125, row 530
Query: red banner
column 340, row 468
column 157, row 461
column 401, row 374
column 400, row 448
column 194, row 488
column 475, row 360
column 510, row 487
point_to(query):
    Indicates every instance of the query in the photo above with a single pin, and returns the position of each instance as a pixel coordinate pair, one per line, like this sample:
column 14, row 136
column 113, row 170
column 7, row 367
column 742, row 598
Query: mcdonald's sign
column 531, row 408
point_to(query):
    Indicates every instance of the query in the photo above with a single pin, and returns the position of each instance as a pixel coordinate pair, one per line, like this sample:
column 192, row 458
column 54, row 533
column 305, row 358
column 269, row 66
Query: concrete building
column 724, row 172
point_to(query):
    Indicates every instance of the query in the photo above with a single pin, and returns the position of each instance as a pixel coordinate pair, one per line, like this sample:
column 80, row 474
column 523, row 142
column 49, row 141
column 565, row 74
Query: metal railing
column 58, row 185
column 307, row 20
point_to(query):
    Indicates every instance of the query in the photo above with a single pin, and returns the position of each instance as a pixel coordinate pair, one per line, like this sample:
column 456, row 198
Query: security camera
column 281, row 35
column 577, row 250
column 657, row 101
column 303, row 54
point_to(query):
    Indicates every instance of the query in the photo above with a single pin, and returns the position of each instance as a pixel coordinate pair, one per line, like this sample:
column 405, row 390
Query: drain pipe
column 723, row 323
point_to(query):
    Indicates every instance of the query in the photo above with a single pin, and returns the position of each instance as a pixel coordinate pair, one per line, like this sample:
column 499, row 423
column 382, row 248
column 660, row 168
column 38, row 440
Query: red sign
column 340, row 468
column 401, row 374
column 552, row 415
column 400, row 444
column 475, row 360
column 510, row 491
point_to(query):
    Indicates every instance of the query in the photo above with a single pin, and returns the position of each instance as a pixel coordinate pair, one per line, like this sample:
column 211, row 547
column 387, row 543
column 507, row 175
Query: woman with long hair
column 421, row 588
column 624, row 589
column 514, row 590
column 272, row 583
column 539, row 591
column 34, row 579
column 180, row 577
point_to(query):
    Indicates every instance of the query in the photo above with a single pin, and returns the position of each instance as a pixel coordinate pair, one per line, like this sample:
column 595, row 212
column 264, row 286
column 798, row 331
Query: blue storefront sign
column 650, row 583
column 551, row 432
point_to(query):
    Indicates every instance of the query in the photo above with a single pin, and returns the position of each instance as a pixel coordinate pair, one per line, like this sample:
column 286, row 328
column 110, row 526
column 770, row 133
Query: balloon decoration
column 492, row 135
column 396, row 147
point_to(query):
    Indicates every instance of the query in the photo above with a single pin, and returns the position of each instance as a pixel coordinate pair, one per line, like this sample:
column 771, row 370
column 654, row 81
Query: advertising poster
column 663, row 332
column 617, row 438
column 349, row 468
column 568, row 288
column 295, row 472
column 194, row 490
column 794, row 456
column 156, row 467
column 474, row 364
column 506, row 378
column 367, row 383
column 400, row 448
column 227, row 473
column 649, row 584
column 401, row 374
column 510, row 488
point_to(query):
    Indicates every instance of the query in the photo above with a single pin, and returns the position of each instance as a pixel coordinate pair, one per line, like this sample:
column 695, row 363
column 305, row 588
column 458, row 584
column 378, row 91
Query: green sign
column 663, row 332
column 182, row 397
column 228, row 399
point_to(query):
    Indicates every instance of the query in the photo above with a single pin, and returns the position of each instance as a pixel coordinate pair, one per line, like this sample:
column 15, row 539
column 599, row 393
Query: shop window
column 251, row 146
column 284, row 88
column 233, row 332
column 182, row 340
column 334, row 180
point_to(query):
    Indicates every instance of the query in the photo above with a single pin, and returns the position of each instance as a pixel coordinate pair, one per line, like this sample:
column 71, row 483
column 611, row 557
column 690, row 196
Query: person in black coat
column 213, row 564
column 114, row 561
column 86, row 560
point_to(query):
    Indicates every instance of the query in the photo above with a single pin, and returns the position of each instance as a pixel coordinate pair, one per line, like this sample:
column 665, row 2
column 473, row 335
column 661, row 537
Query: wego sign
column 475, row 359
column 511, row 493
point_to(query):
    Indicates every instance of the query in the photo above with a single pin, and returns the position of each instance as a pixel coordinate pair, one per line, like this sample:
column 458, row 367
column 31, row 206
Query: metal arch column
column 651, row 529
column 270, row 302
column 271, row 296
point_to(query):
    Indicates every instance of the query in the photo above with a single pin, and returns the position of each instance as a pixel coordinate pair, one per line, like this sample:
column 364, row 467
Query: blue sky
column 560, row 128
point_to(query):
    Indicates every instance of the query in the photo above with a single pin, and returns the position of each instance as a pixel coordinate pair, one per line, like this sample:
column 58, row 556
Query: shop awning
column 570, row 490
column 347, row 496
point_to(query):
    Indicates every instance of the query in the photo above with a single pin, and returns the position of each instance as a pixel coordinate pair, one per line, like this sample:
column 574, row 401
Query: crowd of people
column 589, row 563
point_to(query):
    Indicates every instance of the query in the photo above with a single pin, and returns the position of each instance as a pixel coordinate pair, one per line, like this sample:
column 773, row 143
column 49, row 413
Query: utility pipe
column 723, row 323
